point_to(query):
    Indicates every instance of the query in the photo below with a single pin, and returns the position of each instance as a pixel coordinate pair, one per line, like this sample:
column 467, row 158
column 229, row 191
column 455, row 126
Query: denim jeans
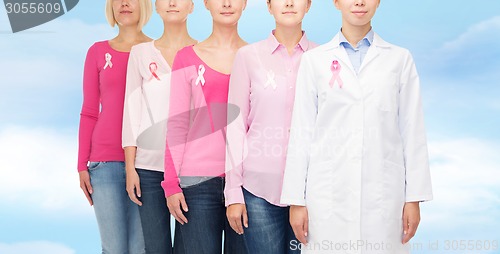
column 155, row 217
column 117, row 217
column 269, row 230
column 207, row 221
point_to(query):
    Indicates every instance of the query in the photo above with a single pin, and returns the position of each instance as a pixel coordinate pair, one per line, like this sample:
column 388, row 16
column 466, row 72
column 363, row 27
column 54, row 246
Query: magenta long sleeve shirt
column 100, row 130
column 197, row 118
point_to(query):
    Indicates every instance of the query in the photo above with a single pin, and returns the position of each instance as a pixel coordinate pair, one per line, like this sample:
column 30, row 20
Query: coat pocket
column 394, row 184
column 319, row 191
column 387, row 91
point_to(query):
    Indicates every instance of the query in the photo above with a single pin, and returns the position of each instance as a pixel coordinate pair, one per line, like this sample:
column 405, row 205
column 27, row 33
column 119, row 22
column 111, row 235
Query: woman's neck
column 224, row 37
column 355, row 34
column 129, row 36
column 288, row 36
column 175, row 36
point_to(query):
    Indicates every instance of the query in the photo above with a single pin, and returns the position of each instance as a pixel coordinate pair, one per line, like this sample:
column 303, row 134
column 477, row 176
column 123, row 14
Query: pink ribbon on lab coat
column 153, row 67
column 336, row 68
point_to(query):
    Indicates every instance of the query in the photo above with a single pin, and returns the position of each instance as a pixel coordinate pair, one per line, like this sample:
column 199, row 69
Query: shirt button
column 289, row 70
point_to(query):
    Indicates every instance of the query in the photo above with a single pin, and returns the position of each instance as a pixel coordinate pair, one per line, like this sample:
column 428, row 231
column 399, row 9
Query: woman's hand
column 236, row 214
column 85, row 185
column 174, row 204
column 299, row 220
column 411, row 219
column 133, row 186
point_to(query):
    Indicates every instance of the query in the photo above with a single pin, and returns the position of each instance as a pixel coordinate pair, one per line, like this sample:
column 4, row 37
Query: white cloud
column 38, row 247
column 495, row 105
column 39, row 170
column 466, row 183
column 481, row 34
column 50, row 55
column 472, row 55
column 42, row 71
column 460, row 79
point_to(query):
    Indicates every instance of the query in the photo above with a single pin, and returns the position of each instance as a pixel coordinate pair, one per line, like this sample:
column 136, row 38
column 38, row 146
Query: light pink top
column 195, row 127
column 102, row 110
column 263, row 87
column 146, row 106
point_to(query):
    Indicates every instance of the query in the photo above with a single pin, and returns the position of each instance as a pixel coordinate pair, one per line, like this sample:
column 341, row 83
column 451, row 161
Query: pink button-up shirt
column 262, row 86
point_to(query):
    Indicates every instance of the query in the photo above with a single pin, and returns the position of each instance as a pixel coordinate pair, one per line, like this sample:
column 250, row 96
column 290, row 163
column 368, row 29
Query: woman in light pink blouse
column 262, row 86
column 100, row 155
column 195, row 154
column 144, row 121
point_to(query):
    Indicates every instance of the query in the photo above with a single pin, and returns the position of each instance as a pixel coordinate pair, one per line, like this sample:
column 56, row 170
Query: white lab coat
column 358, row 152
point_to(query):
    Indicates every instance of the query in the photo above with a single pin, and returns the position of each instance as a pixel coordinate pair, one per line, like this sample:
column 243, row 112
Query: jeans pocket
column 94, row 164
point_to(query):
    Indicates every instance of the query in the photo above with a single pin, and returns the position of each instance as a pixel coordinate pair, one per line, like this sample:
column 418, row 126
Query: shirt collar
column 377, row 42
column 274, row 44
column 367, row 40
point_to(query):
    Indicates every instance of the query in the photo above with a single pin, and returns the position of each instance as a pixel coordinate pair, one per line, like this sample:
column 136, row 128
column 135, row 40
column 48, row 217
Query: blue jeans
column 155, row 217
column 269, row 230
column 207, row 221
column 117, row 217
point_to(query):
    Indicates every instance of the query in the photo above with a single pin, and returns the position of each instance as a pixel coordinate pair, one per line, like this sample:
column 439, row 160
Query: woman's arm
column 132, row 114
column 301, row 135
column 177, row 124
column 239, row 96
column 412, row 130
column 88, row 119
column 90, row 107
column 177, row 131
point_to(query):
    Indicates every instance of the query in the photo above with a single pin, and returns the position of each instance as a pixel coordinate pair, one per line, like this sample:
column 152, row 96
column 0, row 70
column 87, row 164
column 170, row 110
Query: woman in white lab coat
column 357, row 163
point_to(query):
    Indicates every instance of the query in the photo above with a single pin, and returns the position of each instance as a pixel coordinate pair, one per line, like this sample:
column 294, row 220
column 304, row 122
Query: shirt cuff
column 234, row 196
column 82, row 166
column 170, row 188
column 291, row 201
column 419, row 198
column 129, row 143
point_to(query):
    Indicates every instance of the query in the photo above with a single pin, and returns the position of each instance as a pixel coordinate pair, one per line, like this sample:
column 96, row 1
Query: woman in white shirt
column 144, row 121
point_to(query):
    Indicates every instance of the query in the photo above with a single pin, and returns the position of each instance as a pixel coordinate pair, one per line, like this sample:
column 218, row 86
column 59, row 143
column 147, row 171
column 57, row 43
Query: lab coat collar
column 372, row 53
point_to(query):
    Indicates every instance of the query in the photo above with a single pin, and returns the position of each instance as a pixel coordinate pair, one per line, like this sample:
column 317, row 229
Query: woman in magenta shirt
column 100, row 155
column 262, row 86
column 195, row 154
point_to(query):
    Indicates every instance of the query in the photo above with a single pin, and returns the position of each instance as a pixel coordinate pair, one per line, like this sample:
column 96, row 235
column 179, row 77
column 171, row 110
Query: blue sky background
column 455, row 45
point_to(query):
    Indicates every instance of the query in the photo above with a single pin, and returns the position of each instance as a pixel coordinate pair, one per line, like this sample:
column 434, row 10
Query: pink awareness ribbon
column 270, row 80
column 153, row 67
column 109, row 64
column 336, row 68
column 201, row 78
